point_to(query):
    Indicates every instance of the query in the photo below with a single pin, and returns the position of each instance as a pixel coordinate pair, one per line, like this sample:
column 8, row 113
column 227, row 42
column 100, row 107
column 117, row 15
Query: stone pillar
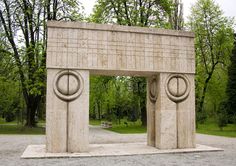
column 56, row 117
column 171, row 111
column 165, row 119
column 78, row 120
column 151, row 108
column 186, row 116
column 67, row 111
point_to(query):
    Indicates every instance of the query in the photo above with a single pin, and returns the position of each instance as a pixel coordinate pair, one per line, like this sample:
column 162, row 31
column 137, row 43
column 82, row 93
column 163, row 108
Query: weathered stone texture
column 165, row 57
column 107, row 47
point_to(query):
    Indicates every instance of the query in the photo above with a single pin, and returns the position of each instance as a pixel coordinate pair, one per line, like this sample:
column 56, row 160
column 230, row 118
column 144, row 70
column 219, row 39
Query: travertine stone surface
column 108, row 48
column 186, row 118
column 165, row 117
column 56, row 117
column 166, row 57
column 174, row 125
column 152, row 83
column 67, row 111
column 78, row 118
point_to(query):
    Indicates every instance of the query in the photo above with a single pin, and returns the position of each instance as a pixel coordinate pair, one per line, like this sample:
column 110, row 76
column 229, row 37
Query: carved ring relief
column 177, row 87
column 68, row 85
column 153, row 89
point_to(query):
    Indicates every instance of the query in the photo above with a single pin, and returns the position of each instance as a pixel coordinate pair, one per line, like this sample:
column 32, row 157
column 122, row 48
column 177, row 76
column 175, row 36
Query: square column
column 151, row 109
column 165, row 119
column 78, row 118
column 161, row 115
column 67, row 111
column 171, row 111
column 186, row 117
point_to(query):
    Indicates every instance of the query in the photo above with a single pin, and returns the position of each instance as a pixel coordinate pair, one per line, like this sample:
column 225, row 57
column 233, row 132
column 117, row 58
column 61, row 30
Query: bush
column 9, row 116
column 201, row 117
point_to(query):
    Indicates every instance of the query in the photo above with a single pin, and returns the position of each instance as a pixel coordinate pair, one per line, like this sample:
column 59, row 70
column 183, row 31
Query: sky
column 228, row 6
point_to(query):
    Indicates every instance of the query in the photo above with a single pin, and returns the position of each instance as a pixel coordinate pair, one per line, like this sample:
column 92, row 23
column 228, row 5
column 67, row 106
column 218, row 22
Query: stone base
column 119, row 149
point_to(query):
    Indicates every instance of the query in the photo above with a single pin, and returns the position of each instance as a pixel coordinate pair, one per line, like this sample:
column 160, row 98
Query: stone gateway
column 75, row 50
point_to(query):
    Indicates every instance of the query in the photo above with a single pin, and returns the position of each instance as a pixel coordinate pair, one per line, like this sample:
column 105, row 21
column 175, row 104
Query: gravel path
column 12, row 147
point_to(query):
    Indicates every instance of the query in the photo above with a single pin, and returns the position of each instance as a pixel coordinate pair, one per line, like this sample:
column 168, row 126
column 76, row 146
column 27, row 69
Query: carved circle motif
column 68, row 85
column 177, row 87
column 153, row 89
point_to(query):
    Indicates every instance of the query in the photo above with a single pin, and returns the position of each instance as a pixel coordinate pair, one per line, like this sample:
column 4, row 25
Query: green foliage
column 10, row 99
column 132, row 12
column 127, row 95
column 211, row 127
column 213, row 43
column 216, row 92
column 231, row 87
column 113, row 98
column 70, row 10
column 222, row 115
column 101, row 94
column 23, row 38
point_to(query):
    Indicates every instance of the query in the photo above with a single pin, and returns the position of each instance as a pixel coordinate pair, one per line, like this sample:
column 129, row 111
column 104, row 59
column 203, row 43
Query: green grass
column 94, row 122
column 211, row 128
column 122, row 128
column 133, row 129
column 19, row 129
column 2, row 121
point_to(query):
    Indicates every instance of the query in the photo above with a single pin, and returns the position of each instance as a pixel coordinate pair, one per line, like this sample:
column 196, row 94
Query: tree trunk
column 30, row 117
column 99, row 111
column 144, row 116
column 32, row 107
column 204, row 93
column 200, row 109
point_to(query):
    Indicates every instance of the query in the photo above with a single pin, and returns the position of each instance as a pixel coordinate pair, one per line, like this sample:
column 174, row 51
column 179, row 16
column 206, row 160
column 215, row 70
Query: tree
column 138, row 88
column 11, row 106
column 231, row 86
column 99, row 87
column 24, row 25
column 176, row 16
column 133, row 12
column 213, row 43
column 153, row 13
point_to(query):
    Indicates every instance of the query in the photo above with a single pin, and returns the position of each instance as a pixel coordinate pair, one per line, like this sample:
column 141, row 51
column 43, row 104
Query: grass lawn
column 19, row 129
column 15, row 128
column 94, row 122
column 122, row 128
column 132, row 129
column 2, row 121
column 211, row 128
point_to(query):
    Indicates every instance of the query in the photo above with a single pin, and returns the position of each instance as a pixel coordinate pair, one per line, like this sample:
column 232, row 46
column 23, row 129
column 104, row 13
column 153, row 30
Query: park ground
column 124, row 127
column 12, row 147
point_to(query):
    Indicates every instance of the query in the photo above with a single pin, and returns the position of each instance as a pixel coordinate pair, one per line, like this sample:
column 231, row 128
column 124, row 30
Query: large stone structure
column 165, row 57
